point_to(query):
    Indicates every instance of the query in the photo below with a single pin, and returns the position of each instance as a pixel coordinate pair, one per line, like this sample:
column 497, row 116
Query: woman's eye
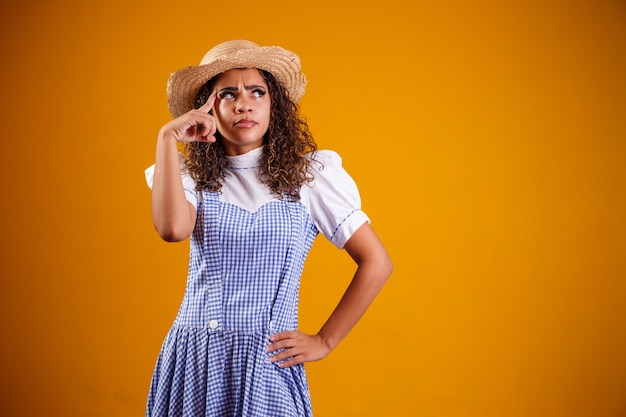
column 226, row 95
column 258, row 92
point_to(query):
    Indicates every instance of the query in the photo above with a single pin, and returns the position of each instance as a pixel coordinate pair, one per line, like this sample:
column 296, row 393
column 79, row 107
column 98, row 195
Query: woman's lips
column 245, row 123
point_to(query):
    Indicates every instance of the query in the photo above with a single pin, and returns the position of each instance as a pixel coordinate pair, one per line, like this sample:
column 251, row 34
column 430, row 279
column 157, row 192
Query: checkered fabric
column 243, row 282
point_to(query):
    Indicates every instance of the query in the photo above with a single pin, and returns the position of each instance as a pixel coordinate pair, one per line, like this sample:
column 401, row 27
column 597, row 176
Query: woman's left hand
column 296, row 347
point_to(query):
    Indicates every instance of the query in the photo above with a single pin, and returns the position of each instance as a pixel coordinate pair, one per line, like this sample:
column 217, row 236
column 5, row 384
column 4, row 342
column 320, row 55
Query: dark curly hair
column 285, row 166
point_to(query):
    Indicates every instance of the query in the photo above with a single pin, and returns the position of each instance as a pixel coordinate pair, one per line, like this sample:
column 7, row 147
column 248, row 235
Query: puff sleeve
column 333, row 199
column 188, row 182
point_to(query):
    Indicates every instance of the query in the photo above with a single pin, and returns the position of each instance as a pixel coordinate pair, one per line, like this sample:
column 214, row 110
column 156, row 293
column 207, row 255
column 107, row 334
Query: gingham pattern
column 243, row 282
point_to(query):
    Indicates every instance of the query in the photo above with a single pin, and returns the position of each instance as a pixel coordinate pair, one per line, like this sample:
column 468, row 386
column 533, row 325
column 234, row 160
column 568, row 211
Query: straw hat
column 184, row 84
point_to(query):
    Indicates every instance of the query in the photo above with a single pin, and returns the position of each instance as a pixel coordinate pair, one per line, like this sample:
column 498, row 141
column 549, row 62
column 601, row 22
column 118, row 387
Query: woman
column 252, row 192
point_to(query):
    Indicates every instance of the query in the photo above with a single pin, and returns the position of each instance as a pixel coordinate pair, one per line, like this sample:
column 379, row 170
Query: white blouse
column 332, row 199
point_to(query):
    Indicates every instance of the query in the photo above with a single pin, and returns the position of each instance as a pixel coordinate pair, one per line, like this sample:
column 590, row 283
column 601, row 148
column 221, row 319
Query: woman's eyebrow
column 253, row 87
column 247, row 87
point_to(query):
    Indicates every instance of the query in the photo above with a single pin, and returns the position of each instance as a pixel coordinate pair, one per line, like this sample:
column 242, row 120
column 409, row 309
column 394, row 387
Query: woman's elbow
column 172, row 233
column 387, row 266
column 174, row 225
column 173, row 237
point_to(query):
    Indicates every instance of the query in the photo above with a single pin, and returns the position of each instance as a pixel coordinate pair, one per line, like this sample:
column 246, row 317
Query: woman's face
column 242, row 109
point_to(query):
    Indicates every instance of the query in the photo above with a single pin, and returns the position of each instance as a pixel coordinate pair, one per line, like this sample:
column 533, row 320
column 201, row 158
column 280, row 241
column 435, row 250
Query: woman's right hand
column 196, row 125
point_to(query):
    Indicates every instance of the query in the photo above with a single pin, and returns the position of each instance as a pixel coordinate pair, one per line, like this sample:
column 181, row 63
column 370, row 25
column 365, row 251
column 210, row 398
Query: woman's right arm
column 172, row 215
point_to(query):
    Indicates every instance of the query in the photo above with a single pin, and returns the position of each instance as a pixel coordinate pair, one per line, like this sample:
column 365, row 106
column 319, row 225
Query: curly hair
column 285, row 166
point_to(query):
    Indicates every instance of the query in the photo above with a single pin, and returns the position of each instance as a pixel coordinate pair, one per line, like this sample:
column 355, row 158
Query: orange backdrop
column 488, row 140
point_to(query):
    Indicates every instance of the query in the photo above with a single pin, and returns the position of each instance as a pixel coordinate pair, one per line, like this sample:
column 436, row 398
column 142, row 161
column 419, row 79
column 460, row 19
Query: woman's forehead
column 237, row 75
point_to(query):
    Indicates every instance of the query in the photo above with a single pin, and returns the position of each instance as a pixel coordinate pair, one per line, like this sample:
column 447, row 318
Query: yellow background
column 488, row 139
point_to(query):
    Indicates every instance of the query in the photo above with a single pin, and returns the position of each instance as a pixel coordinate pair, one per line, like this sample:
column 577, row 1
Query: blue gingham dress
column 242, row 286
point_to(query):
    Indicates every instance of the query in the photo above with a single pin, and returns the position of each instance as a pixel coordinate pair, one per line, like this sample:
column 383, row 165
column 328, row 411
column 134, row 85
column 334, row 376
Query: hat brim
column 184, row 84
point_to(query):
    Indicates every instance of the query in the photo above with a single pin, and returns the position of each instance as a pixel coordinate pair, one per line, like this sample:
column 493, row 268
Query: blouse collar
column 250, row 159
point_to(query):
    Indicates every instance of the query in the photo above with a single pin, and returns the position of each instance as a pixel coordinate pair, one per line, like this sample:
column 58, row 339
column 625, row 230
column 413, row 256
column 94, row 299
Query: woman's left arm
column 373, row 269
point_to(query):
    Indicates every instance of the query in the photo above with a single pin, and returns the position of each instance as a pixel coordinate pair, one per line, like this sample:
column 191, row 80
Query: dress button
column 213, row 324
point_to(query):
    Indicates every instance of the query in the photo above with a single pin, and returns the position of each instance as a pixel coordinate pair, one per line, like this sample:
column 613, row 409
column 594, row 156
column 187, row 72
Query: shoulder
column 332, row 198
column 326, row 155
column 330, row 180
column 323, row 160
column 189, row 184
column 327, row 167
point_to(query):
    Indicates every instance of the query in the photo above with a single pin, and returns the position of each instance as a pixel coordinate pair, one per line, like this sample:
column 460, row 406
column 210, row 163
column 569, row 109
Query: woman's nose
column 242, row 106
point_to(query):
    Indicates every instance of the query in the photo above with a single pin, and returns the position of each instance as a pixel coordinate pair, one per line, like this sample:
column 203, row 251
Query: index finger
column 289, row 334
column 208, row 106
